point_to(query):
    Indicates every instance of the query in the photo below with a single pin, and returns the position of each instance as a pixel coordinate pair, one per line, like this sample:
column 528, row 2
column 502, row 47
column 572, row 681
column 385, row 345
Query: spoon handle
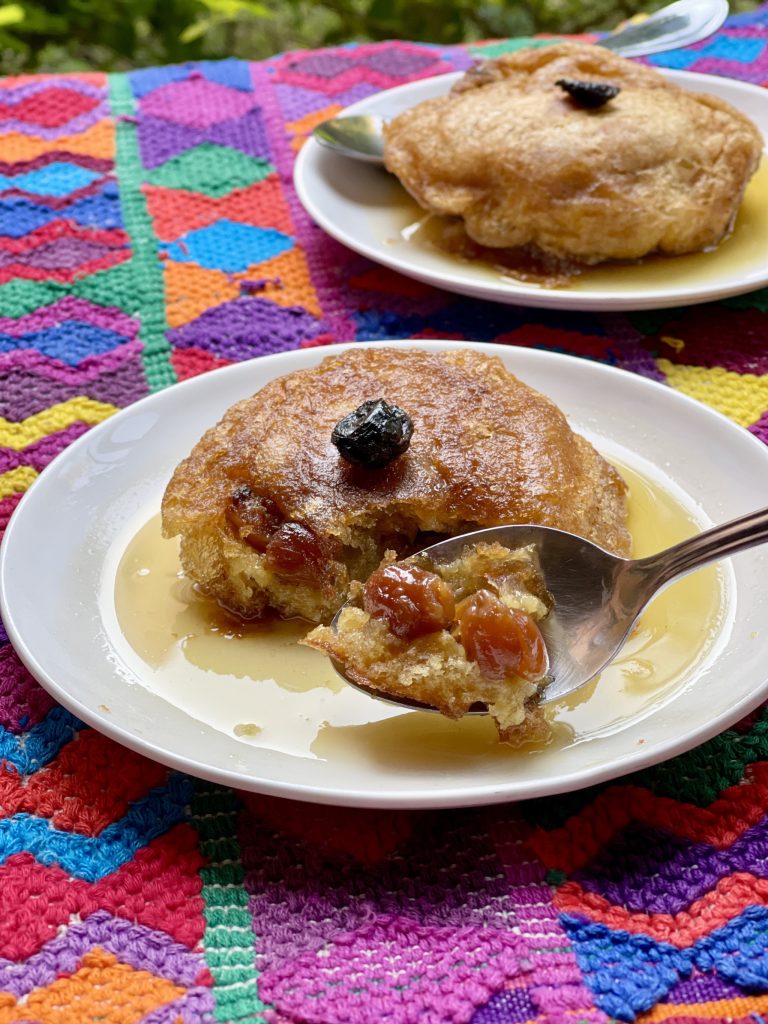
column 728, row 539
column 679, row 24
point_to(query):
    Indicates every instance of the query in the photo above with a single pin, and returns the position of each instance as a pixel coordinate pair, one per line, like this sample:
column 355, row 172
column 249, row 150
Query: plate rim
column 469, row 795
column 512, row 292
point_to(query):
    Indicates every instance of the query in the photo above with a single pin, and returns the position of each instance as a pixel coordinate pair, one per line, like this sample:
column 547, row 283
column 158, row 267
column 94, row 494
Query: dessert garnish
column 589, row 94
column 373, row 435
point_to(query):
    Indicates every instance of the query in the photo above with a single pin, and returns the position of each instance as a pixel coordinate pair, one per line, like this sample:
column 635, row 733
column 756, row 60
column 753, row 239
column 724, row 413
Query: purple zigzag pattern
column 194, row 1007
column 652, row 871
column 24, row 392
column 64, row 254
column 334, row 901
column 555, row 984
column 196, row 101
column 23, row 703
column 247, row 327
column 55, row 369
column 703, row 988
column 319, row 902
column 296, row 101
column 141, row 947
column 160, row 139
column 404, row 972
column 40, row 453
column 400, row 63
column 71, row 308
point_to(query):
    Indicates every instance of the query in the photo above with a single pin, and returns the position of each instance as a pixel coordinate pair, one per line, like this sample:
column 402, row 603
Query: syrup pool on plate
column 741, row 250
column 254, row 681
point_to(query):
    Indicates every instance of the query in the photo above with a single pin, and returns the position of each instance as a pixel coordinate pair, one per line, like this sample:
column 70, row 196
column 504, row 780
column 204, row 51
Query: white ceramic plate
column 366, row 209
column 57, row 575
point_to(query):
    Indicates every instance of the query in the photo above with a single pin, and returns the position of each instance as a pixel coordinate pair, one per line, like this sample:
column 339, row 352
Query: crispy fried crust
column 657, row 169
column 486, row 450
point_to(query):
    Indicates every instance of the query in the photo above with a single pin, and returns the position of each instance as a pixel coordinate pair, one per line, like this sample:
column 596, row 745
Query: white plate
column 57, row 572
column 366, row 209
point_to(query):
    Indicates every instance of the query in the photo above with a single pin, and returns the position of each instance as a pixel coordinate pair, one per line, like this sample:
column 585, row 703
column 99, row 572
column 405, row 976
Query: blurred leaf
column 500, row 20
column 195, row 30
column 11, row 14
column 72, row 35
column 231, row 9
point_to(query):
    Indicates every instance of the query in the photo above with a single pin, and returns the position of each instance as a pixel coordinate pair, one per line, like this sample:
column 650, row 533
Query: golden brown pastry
column 451, row 636
column 271, row 516
column 655, row 169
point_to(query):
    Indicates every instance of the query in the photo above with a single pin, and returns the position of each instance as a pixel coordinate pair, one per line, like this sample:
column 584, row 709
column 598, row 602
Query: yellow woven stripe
column 741, row 396
column 16, row 480
column 49, row 421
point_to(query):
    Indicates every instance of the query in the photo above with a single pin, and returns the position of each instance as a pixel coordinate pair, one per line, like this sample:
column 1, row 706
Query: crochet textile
column 149, row 232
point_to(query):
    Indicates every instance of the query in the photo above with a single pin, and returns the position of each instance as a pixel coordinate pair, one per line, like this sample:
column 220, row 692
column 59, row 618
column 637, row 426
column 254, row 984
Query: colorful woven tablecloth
column 149, row 232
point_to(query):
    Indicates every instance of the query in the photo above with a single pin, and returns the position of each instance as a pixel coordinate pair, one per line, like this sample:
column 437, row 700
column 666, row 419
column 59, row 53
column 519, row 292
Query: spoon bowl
column 682, row 23
column 597, row 596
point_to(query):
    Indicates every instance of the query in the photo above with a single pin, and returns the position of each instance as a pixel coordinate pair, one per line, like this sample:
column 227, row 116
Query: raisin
column 502, row 641
column 253, row 517
column 297, row 554
column 373, row 435
column 411, row 601
column 589, row 94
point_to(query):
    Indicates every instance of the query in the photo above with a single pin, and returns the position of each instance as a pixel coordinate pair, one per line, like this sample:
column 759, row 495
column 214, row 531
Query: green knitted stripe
column 113, row 287
column 229, row 938
column 652, row 321
column 496, row 49
column 750, row 300
column 698, row 777
column 147, row 268
column 199, row 170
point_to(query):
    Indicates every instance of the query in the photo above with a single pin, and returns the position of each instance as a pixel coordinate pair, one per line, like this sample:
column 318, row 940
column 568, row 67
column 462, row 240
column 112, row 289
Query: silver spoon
column 597, row 596
column 679, row 24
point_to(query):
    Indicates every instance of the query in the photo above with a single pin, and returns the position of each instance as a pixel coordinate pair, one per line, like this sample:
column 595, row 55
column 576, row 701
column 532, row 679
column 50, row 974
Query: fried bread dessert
column 573, row 152
column 273, row 518
column 451, row 636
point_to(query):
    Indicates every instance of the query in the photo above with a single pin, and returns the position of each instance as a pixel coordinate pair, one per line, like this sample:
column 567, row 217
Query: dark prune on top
column 589, row 94
column 373, row 435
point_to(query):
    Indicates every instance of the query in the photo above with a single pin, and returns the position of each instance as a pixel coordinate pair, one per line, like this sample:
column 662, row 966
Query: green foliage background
column 74, row 35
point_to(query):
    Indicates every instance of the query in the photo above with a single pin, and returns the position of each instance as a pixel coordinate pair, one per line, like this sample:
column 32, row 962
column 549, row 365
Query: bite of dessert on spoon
column 506, row 620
